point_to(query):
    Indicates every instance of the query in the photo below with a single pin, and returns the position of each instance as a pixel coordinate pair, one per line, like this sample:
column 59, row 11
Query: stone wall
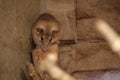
column 93, row 59
column 91, row 51
column 16, row 19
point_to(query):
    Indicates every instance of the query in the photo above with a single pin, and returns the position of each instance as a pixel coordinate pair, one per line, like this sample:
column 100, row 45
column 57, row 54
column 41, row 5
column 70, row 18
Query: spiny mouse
column 46, row 34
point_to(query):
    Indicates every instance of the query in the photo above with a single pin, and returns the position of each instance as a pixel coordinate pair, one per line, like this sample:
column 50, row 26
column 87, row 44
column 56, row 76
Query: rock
column 67, row 56
column 104, row 9
column 87, row 31
column 87, row 56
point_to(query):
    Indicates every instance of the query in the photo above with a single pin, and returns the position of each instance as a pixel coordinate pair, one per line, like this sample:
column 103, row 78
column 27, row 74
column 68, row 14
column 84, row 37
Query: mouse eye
column 41, row 38
column 54, row 32
column 39, row 30
column 50, row 39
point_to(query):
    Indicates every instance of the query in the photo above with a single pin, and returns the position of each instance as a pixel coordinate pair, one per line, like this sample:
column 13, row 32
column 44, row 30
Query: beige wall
column 16, row 18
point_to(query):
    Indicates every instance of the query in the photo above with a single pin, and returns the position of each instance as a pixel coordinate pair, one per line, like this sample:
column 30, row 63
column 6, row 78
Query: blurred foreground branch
column 54, row 71
column 49, row 66
column 110, row 35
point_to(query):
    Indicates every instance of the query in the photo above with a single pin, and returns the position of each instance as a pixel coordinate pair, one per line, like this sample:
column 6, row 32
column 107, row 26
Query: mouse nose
column 44, row 47
column 46, row 44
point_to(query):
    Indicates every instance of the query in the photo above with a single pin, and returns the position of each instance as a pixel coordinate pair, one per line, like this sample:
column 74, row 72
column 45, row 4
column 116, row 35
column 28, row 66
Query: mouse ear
column 55, row 32
column 39, row 30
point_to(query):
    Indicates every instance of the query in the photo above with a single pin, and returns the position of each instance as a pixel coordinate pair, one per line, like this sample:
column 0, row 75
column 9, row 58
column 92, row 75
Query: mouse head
column 46, row 31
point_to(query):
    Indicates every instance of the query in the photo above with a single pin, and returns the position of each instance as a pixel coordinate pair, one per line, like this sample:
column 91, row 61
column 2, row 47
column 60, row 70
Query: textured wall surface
column 92, row 52
column 16, row 18
column 87, row 12
column 91, row 55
